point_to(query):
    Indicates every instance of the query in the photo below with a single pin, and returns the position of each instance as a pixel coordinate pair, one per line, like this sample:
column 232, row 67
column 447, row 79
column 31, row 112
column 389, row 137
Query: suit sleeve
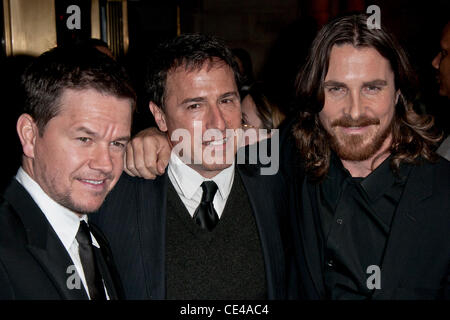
column 6, row 291
column 447, row 285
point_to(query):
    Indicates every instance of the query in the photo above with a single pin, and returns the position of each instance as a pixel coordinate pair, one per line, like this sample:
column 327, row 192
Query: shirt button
column 330, row 263
column 339, row 221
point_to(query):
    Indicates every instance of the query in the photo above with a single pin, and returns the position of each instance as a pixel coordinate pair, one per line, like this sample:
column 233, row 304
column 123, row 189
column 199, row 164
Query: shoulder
column 438, row 170
column 431, row 178
column 128, row 183
column 127, row 197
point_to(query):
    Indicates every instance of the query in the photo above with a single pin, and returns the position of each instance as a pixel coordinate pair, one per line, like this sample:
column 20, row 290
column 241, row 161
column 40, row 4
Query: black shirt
column 355, row 219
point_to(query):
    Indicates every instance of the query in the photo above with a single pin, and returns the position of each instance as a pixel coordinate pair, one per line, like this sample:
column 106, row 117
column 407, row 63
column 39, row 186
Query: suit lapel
column 43, row 243
column 106, row 275
column 405, row 229
column 152, row 228
column 309, row 229
column 106, row 266
column 264, row 209
column 56, row 263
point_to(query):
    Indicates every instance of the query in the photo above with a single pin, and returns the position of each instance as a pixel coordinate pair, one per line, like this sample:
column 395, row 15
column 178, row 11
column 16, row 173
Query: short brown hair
column 71, row 67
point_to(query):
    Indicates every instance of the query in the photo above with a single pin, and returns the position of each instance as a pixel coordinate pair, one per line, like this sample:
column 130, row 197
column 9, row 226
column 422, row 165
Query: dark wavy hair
column 190, row 51
column 414, row 136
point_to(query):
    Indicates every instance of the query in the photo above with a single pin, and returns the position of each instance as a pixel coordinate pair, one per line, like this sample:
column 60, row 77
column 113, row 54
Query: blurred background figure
column 442, row 64
column 244, row 62
column 258, row 111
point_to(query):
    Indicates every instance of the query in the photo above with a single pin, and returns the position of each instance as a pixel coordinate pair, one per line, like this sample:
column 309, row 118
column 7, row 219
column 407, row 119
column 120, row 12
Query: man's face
column 442, row 63
column 201, row 100
column 360, row 99
column 79, row 157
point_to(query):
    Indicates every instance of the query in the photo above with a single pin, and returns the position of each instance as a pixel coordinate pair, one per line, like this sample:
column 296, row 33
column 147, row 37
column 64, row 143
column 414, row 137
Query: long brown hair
column 413, row 135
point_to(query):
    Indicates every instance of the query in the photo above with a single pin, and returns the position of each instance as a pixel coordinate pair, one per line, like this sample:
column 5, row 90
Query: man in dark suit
column 372, row 209
column 74, row 132
column 208, row 228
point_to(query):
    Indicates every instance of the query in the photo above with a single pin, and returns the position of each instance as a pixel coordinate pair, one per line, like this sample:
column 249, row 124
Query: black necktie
column 87, row 257
column 205, row 215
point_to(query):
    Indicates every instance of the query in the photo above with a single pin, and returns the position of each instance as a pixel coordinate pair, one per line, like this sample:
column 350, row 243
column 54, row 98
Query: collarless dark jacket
column 416, row 262
column 33, row 261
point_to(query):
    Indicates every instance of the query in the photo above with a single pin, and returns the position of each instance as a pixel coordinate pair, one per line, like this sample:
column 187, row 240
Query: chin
column 86, row 206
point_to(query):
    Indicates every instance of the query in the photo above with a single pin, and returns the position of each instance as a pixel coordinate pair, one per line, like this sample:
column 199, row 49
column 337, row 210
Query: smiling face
column 79, row 156
column 199, row 101
column 360, row 99
column 442, row 63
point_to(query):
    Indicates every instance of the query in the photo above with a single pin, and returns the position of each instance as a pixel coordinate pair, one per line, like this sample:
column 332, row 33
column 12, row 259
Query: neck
column 27, row 166
column 361, row 169
column 205, row 173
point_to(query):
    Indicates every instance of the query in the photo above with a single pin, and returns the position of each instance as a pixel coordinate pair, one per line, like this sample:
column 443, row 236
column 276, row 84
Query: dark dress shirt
column 355, row 219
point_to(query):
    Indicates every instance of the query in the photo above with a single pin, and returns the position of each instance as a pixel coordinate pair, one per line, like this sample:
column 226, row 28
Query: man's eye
column 336, row 90
column 118, row 144
column 84, row 139
column 194, row 106
column 227, row 100
column 373, row 89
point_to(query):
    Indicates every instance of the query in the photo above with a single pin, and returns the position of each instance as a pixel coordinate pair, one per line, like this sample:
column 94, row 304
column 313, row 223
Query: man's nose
column 101, row 159
column 436, row 61
column 215, row 118
column 355, row 108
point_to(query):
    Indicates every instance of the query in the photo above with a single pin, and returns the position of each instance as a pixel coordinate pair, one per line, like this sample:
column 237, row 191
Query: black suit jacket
column 416, row 262
column 33, row 261
column 133, row 218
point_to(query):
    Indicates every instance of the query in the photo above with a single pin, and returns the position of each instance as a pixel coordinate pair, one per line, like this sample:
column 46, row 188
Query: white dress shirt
column 64, row 221
column 187, row 183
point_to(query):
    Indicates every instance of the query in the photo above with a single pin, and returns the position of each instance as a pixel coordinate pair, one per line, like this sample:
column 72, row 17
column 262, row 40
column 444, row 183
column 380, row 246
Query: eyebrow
column 228, row 94
column 190, row 100
column 333, row 83
column 203, row 99
column 86, row 130
column 93, row 134
column 376, row 82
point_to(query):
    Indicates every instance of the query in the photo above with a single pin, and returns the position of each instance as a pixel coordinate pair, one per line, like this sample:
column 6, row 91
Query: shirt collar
column 377, row 183
column 380, row 180
column 64, row 221
column 188, row 180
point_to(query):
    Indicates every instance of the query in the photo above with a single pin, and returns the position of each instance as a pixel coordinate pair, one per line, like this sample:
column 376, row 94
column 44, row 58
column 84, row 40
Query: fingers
column 163, row 157
column 147, row 154
column 146, row 158
column 128, row 154
column 135, row 164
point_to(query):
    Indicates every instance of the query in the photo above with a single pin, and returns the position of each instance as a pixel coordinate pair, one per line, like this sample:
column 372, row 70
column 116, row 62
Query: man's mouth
column 93, row 182
column 215, row 142
column 358, row 129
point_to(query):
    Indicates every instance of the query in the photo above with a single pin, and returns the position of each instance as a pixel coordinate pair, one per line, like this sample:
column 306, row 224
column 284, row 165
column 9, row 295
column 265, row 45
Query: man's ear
column 27, row 131
column 159, row 116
